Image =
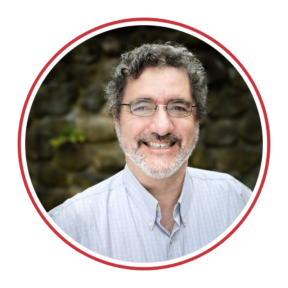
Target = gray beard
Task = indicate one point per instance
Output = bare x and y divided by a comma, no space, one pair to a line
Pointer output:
157,171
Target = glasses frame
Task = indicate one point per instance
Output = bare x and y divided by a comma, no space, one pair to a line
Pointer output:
156,107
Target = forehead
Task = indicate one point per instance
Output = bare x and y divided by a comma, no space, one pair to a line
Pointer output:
160,85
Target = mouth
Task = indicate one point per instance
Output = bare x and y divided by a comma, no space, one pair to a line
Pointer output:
157,145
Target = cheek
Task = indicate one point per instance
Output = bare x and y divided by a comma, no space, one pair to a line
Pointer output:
136,127
130,131
188,133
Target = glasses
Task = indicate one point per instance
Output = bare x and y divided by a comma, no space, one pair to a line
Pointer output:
174,108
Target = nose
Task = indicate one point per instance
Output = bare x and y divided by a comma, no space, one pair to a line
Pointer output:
161,122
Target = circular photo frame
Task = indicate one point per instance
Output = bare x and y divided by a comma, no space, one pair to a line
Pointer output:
115,264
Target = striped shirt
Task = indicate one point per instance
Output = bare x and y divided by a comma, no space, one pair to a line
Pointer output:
120,219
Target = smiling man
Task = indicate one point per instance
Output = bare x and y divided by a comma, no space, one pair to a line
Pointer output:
156,209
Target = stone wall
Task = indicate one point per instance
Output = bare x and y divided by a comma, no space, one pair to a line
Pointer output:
72,93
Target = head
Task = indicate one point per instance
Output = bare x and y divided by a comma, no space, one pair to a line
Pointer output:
160,144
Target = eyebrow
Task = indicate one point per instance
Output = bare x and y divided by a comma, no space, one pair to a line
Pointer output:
173,99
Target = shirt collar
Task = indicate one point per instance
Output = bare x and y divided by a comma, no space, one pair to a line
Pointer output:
147,204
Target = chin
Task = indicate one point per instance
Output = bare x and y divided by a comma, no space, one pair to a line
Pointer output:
159,174
158,171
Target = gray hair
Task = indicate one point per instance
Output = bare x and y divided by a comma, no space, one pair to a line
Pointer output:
132,64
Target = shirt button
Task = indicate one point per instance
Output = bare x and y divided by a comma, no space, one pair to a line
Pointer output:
171,241
157,209
150,224
184,220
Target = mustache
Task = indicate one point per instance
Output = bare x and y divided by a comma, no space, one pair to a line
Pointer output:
155,136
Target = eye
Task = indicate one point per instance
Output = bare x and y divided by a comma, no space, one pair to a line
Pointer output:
141,108
179,108
142,105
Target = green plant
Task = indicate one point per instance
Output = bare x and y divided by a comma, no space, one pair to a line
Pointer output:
68,135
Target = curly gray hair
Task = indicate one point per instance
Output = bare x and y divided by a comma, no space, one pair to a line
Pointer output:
132,64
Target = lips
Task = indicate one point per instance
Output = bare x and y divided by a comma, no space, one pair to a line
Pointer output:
156,145
155,141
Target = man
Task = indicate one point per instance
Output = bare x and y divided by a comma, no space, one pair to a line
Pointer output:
156,209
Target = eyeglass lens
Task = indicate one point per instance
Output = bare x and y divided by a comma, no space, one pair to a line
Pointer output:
146,108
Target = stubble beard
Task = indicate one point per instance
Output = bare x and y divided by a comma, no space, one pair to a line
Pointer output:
161,170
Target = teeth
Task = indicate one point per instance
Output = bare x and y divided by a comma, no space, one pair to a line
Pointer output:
159,145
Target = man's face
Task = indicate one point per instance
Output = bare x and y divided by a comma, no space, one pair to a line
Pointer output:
140,137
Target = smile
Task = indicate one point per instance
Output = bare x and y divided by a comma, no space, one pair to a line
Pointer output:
156,145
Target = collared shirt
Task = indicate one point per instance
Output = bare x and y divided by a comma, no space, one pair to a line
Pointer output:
120,219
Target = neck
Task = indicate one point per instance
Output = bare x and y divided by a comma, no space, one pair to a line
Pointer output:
166,191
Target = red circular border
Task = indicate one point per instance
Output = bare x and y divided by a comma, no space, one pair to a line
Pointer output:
126,21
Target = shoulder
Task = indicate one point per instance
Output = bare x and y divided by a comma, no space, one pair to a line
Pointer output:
219,182
95,195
